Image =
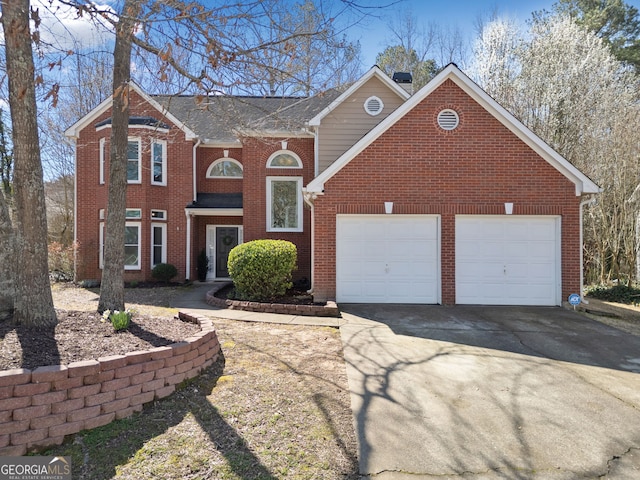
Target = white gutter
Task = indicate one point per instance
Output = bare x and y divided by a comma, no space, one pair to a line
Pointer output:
75,211
308,199
587,201
195,193
187,275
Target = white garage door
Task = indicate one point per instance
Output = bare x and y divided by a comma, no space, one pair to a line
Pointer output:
387,259
508,260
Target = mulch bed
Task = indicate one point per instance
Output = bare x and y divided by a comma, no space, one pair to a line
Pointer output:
292,297
83,336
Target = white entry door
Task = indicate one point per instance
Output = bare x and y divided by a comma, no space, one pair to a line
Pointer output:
387,259
508,260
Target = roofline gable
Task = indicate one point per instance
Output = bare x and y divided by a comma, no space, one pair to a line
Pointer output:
74,130
373,72
584,185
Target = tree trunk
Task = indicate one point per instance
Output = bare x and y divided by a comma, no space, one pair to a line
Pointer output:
112,284
33,300
8,264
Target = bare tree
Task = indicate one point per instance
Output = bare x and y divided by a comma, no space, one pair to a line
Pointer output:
32,300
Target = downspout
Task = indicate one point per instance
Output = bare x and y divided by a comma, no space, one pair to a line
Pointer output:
590,200
195,197
188,249
75,211
308,199
195,192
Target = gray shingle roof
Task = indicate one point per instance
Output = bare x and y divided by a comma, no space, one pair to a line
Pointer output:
217,118
217,200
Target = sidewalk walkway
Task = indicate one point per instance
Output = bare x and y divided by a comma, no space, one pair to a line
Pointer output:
193,301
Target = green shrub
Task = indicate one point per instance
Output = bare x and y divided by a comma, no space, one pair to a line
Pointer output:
119,320
164,272
202,266
261,269
617,293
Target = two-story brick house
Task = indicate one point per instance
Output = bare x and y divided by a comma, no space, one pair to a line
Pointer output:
437,197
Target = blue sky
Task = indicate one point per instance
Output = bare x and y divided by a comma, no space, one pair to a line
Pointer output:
462,13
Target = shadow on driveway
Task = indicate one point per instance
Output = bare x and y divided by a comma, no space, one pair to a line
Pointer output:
492,392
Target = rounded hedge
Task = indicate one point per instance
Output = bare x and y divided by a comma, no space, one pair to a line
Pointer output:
164,272
261,269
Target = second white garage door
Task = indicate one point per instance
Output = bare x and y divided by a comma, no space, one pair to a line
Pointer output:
508,260
387,259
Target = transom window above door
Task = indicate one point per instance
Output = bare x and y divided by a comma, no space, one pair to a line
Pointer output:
284,159
225,168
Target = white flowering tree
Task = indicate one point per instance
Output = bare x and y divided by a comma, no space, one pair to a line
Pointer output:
564,83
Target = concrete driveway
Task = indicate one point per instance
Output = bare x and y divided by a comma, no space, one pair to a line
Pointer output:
492,392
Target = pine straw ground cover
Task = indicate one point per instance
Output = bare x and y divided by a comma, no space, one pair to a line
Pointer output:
276,405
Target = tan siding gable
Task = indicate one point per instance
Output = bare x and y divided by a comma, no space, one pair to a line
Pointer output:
349,122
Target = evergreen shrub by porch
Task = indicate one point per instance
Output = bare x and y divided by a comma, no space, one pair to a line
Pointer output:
164,272
261,269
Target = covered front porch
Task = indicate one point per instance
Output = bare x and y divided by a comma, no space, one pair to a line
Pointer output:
215,226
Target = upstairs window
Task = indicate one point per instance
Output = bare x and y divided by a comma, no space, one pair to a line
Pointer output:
225,168
134,165
284,159
158,162
284,204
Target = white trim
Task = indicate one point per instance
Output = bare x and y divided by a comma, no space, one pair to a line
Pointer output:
139,140
557,270
146,127
187,273
163,245
133,214
74,130
392,219
194,170
163,144
158,219
224,159
366,106
373,72
284,152
101,245
138,266
582,183
101,167
212,265
299,209
220,212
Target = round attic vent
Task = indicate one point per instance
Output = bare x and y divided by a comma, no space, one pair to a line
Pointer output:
448,119
373,106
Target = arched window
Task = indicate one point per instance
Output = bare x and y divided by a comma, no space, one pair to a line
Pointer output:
225,168
284,159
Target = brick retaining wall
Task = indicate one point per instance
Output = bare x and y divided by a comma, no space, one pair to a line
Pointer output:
330,309
39,407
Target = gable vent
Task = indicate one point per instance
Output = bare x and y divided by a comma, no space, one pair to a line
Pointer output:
448,119
373,106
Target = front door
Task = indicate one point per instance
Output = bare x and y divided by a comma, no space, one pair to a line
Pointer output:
220,241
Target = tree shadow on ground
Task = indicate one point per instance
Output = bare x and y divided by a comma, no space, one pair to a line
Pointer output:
34,342
102,453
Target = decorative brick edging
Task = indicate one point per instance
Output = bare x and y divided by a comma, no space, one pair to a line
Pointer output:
39,407
328,310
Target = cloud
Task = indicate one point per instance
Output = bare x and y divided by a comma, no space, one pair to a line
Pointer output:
63,29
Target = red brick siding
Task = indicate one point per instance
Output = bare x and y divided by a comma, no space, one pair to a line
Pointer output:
256,152
92,196
473,169
173,198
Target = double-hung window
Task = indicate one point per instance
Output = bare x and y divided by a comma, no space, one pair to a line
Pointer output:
284,204
132,244
158,162
134,164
